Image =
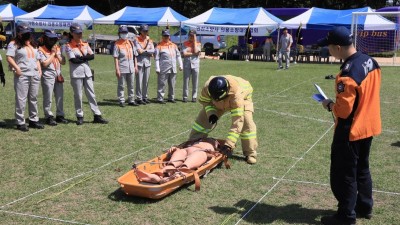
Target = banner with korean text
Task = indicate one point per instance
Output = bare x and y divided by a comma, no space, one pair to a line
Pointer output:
234,30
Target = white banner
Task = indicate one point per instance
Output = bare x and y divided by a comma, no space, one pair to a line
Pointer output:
235,30
55,24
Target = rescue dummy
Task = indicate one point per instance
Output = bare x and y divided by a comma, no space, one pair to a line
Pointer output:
184,159
227,93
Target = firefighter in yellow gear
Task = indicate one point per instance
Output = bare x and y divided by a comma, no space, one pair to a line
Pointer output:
227,93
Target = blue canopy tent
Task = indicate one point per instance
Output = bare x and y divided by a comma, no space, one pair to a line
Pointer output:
286,13
9,11
326,19
60,17
161,16
391,9
227,21
316,22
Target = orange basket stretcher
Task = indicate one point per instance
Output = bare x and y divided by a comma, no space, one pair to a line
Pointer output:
131,184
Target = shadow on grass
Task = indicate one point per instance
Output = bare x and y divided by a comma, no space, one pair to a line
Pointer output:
108,102
8,124
120,196
396,144
264,213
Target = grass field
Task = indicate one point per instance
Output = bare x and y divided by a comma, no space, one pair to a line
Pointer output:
68,173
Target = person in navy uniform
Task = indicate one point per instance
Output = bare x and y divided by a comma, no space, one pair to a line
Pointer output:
358,119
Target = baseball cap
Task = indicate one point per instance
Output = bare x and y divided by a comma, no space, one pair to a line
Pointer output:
338,36
123,29
23,28
165,33
75,28
144,27
50,33
192,32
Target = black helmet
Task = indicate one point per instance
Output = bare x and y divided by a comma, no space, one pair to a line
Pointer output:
218,88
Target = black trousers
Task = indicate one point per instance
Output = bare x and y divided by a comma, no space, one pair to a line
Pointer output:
350,176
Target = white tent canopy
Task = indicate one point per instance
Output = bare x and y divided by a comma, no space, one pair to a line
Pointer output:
326,19
9,11
161,16
227,21
60,17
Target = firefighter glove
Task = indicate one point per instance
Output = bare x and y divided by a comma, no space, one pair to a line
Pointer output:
2,79
226,150
213,119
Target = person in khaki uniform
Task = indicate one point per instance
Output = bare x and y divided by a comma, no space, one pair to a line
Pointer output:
227,93
125,66
145,49
52,80
79,53
191,65
23,57
166,56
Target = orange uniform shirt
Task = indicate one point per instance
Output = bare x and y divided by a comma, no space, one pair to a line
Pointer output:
357,97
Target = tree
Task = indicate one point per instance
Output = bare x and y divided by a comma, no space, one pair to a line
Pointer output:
30,5
191,8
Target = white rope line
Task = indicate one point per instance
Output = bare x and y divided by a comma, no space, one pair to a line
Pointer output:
311,118
41,217
91,171
322,184
294,164
296,103
277,94
389,131
295,116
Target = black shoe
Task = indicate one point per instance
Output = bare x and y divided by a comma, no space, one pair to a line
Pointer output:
61,119
79,121
99,119
281,67
286,68
367,216
334,220
133,104
36,125
22,128
330,77
172,100
122,104
50,121
146,100
194,100
3,124
184,100
140,102
363,214
161,102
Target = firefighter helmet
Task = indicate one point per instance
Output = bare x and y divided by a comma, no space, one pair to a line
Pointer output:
218,88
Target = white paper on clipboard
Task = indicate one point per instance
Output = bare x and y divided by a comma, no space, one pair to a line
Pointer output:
320,91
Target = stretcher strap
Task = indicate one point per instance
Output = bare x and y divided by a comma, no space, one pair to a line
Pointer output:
226,162
196,177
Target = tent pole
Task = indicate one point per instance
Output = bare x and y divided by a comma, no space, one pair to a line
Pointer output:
94,38
180,35
277,45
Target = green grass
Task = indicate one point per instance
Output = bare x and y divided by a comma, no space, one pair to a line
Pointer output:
290,126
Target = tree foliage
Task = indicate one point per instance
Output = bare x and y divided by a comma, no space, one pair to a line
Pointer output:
191,8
